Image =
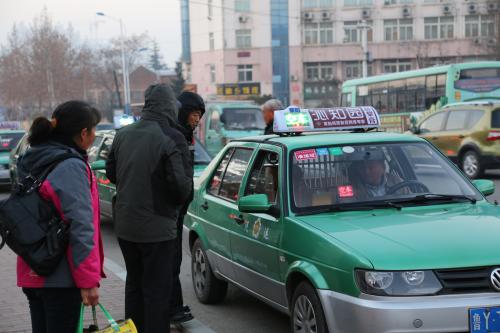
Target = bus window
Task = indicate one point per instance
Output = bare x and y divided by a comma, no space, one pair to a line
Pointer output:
430,87
441,85
346,99
392,102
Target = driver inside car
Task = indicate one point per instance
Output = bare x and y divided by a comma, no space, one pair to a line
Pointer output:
371,179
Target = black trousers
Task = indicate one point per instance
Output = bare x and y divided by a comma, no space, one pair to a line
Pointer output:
54,310
149,284
177,301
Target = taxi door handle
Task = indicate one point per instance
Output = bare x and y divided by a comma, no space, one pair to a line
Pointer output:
239,219
204,206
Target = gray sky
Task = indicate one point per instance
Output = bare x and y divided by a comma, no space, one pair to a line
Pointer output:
160,18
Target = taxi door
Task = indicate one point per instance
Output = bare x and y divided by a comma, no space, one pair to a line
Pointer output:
218,206
256,237
107,190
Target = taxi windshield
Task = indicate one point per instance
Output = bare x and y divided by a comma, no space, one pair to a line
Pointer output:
374,175
242,119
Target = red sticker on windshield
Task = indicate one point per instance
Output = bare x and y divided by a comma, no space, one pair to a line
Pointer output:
308,154
345,191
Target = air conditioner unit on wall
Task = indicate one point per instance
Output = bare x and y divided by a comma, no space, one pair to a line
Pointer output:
406,11
447,10
243,19
472,8
492,7
308,16
326,16
366,13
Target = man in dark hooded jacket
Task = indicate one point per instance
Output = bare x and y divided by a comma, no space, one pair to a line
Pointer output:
191,109
150,164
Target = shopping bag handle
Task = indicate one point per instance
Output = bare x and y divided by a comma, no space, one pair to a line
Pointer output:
108,316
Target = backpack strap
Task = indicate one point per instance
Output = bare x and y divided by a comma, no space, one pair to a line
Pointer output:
36,177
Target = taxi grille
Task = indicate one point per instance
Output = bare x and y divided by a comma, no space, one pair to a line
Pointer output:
470,280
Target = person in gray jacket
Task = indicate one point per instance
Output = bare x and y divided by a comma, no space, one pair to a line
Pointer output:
149,163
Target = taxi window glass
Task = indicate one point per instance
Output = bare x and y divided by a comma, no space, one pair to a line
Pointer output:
363,174
214,186
105,149
495,119
94,149
456,120
242,119
201,155
234,174
264,176
433,123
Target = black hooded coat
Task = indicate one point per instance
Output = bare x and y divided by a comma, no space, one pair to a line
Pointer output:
149,163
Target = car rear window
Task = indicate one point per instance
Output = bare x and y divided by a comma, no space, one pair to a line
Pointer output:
495,119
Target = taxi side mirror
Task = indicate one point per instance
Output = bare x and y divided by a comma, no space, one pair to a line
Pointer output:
485,186
98,165
255,203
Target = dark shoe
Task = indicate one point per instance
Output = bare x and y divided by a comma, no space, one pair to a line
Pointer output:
181,316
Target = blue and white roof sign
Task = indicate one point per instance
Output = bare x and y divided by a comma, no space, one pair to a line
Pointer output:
294,119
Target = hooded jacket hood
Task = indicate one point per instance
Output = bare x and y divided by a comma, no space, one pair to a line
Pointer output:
160,104
189,102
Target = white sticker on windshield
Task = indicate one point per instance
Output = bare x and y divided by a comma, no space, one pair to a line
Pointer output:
348,150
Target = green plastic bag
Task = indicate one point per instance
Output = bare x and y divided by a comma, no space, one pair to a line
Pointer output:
124,326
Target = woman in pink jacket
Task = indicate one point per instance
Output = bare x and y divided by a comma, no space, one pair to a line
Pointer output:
55,300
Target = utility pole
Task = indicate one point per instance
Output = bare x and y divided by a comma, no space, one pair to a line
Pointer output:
363,27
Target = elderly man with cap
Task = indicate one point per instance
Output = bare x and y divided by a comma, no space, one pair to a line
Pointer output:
268,113
191,109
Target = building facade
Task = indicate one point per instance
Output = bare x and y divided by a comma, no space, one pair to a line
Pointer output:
302,50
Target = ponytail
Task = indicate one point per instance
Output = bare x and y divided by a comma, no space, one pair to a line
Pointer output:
40,131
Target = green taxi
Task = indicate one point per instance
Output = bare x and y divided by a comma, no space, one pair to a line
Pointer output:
9,139
347,231
98,153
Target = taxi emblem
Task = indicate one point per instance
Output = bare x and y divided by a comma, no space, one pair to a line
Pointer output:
256,228
495,279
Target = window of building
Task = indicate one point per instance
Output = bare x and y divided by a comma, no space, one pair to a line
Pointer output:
318,3
393,2
479,26
211,41
243,38
352,3
354,69
210,9
212,73
396,66
318,33
353,34
245,73
401,29
439,27
316,71
242,5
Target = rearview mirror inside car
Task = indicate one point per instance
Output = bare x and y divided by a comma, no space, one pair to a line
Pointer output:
255,203
485,186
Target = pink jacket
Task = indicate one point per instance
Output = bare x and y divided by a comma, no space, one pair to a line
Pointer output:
72,188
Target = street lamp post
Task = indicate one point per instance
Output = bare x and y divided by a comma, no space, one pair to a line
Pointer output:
364,45
126,82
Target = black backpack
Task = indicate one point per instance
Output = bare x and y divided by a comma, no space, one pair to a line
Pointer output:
31,226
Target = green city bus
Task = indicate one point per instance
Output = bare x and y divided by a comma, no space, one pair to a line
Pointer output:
400,98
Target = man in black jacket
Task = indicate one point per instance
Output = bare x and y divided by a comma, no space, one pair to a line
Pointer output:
149,162
191,109
268,113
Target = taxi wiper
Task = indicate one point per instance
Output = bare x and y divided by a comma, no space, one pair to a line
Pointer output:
433,197
347,208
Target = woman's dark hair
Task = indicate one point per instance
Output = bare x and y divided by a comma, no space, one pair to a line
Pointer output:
68,120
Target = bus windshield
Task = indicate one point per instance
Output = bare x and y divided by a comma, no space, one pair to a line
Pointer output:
242,119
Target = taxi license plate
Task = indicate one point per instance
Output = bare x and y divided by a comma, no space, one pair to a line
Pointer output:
484,320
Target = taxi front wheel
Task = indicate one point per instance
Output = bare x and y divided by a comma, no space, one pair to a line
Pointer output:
208,289
306,312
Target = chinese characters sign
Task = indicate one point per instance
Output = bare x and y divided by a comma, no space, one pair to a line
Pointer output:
239,89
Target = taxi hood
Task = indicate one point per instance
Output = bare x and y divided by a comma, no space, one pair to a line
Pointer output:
430,237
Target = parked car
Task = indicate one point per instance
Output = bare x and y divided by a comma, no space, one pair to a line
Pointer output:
468,133
298,222
21,147
225,121
98,154
9,140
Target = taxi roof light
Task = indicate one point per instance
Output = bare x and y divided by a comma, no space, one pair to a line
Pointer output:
294,120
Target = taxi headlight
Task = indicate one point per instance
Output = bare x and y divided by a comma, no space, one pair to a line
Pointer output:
406,283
